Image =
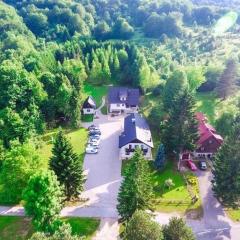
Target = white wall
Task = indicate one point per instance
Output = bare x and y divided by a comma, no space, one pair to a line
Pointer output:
123,152
117,107
88,111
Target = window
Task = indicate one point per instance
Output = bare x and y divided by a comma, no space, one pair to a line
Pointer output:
123,105
118,105
210,141
202,148
88,110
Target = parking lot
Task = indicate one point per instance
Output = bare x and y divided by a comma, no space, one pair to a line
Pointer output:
103,169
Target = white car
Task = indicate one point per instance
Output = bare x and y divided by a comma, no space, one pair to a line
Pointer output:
91,150
94,140
93,145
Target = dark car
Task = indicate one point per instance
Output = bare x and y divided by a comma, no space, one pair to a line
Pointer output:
202,165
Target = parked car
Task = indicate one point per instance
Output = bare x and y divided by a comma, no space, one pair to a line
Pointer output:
94,132
91,150
93,128
202,165
94,140
191,165
94,137
93,144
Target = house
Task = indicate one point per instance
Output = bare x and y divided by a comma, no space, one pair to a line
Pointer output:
123,100
136,134
89,106
209,141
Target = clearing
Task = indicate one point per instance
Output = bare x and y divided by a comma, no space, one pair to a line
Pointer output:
20,228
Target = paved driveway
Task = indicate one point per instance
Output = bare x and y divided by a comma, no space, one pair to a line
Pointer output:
215,225
103,173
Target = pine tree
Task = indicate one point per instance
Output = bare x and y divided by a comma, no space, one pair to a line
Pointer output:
226,170
67,166
180,132
160,158
227,81
136,189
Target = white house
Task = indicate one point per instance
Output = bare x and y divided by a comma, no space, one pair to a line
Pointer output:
136,134
123,100
89,106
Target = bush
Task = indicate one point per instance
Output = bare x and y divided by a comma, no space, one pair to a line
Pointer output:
169,183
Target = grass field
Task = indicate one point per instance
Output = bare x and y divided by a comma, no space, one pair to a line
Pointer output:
207,103
78,139
20,228
97,92
175,199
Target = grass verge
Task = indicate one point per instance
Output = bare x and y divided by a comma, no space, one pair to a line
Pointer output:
97,92
175,199
20,228
233,214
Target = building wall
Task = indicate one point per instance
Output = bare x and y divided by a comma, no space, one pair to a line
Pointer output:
88,111
210,146
122,107
117,107
123,154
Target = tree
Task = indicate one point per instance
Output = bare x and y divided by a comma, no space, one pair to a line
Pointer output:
43,201
20,162
63,233
160,158
102,30
177,229
67,166
226,170
174,86
136,189
227,81
122,29
142,227
195,77
180,131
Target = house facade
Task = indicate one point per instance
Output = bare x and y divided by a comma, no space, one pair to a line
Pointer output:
123,100
136,134
89,106
209,141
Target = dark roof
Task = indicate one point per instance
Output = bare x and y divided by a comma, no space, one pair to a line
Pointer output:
130,96
89,103
137,129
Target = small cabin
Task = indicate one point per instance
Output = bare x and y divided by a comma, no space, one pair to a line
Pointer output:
89,106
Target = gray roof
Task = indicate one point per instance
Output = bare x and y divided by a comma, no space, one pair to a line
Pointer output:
89,103
136,129
130,95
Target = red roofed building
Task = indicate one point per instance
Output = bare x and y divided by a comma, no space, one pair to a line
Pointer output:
209,141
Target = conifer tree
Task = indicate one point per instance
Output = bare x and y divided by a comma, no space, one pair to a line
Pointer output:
160,158
67,166
227,81
180,132
136,189
226,170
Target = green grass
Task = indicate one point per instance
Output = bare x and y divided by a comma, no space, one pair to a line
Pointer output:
207,103
104,110
87,118
83,226
20,228
175,199
233,214
97,92
78,139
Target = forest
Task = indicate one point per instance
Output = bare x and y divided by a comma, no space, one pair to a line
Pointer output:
51,49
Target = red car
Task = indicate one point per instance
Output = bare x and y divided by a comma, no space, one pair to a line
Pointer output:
191,165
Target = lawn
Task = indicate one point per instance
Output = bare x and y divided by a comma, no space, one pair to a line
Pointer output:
176,199
97,92
87,118
20,228
234,214
78,139
207,103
